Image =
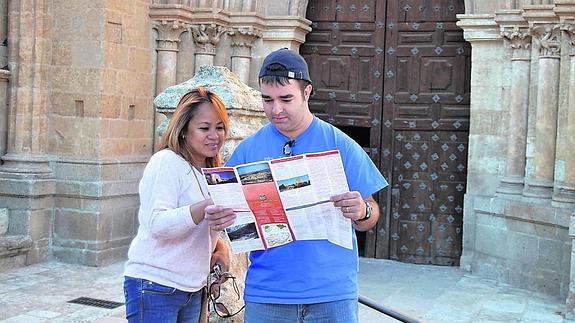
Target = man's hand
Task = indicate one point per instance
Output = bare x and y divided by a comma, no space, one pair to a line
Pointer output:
351,204
219,217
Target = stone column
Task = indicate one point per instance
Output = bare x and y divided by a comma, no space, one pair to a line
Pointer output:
565,190
168,40
520,42
3,33
243,39
28,43
206,37
540,183
4,77
169,32
26,176
487,56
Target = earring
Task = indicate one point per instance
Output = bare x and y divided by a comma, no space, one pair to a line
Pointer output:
183,136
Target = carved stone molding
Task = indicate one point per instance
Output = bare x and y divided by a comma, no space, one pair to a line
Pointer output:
569,33
519,40
243,38
548,38
169,32
206,37
479,28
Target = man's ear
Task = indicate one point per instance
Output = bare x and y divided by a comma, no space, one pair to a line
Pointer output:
307,92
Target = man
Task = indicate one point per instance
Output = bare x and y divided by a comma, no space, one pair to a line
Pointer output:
311,280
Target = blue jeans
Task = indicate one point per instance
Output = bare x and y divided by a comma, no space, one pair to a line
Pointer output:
344,311
148,302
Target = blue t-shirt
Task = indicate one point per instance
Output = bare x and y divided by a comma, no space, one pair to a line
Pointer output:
309,271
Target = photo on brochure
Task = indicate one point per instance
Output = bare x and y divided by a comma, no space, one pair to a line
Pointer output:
293,183
221,177
245,231
255,173
276,234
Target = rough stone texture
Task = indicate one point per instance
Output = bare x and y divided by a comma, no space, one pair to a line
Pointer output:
515,239
102,126
3,221
244,104
81,124
13,251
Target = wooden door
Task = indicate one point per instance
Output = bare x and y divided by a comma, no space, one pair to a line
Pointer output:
345,54
395,75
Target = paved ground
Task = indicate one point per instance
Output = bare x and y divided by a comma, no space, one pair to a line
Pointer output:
39,293
446,294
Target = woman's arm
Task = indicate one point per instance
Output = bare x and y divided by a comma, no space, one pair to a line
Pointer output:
221,255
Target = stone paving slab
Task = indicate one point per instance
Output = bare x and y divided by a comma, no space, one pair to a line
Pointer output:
447,294
40,293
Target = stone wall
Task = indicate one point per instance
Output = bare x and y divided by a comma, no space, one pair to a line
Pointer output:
519,203
79,122
100,125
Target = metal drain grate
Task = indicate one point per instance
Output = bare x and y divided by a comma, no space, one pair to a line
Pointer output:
96,302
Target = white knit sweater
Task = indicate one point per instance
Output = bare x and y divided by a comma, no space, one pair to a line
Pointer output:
170,249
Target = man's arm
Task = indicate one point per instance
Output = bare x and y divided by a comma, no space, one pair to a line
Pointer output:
366,224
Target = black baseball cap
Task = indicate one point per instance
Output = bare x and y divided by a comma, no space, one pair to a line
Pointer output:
295,66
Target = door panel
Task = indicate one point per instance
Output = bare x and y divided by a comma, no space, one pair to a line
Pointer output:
429,174
426,113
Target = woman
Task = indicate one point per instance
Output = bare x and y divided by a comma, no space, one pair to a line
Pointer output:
169,259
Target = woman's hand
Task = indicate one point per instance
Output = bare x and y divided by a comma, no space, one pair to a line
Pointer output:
221,256
219,217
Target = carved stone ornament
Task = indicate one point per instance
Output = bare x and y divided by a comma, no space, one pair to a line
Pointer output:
519,38
569,31
169,32
207,36
244,36
548,37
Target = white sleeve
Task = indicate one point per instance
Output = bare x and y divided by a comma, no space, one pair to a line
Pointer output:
161,190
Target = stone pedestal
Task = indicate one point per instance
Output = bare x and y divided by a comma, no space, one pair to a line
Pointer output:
570,301
27,184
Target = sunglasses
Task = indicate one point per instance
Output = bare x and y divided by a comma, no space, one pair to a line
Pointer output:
215,281
287,147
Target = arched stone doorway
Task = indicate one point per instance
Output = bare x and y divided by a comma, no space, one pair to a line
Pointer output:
395,75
